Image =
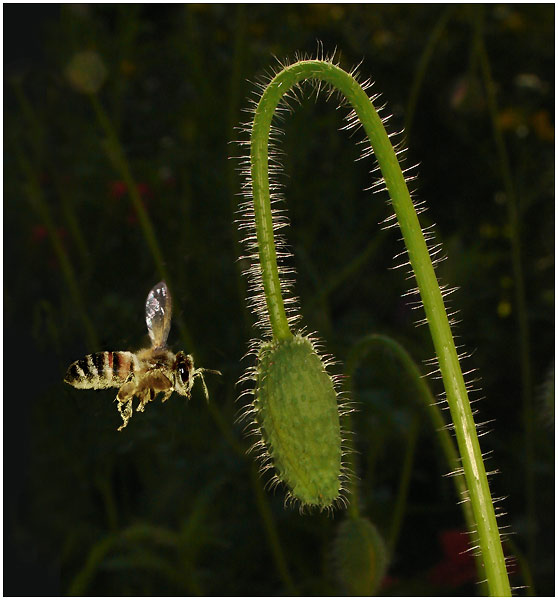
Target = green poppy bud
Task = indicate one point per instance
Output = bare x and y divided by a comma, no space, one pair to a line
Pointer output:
360,557
296,410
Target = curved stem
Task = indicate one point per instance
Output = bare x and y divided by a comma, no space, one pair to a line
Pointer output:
404,483
264,222
324,71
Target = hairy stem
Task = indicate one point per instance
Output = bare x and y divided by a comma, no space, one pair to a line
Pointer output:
324,71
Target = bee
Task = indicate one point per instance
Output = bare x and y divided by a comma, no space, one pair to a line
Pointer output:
146,373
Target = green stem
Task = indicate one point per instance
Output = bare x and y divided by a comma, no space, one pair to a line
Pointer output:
121,163
422,67
465,430
404,483
523,564
262,208
272,533
348,271
134,535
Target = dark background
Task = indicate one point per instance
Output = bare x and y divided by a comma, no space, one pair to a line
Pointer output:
167,506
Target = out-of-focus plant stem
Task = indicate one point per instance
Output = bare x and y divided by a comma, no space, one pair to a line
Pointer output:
136,534
272,533
514,217
404,483
118,157
422,67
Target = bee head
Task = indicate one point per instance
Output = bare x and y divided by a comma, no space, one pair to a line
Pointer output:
183,371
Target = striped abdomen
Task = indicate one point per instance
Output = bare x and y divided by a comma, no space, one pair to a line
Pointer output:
102,370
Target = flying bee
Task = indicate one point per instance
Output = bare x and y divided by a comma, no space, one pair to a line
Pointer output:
143,374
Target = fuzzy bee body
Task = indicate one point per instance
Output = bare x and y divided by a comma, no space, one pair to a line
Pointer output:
143,374
102,370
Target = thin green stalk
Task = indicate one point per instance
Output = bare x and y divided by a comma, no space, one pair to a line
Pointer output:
121,163
324,71
523,564
272,533
422,67
134,535
104,486
404,483
67,205
514,218
348,271
426,401
82,579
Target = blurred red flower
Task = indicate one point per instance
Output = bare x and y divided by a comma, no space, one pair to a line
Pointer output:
38,233
458,564
118,189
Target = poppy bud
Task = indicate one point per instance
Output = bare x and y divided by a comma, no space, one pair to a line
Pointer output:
296,409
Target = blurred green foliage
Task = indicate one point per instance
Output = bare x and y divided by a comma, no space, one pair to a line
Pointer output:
169,506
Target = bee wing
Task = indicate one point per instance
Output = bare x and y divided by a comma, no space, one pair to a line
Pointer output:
158,311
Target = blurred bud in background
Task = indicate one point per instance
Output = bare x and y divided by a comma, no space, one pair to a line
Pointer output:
86,72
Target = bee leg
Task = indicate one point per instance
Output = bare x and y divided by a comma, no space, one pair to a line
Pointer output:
126,410
124,401
159,382
146,397
127,391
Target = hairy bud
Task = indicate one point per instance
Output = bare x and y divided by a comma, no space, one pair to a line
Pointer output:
296,409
